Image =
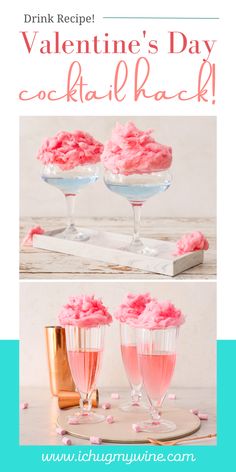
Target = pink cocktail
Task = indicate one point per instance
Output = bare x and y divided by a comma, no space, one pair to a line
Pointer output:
157,370
84,351
130,360
85,367
129,352
157,357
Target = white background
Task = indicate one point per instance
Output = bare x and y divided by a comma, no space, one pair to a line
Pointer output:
226,131
41,303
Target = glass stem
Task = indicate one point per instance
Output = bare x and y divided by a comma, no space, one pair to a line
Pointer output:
70,206
137,218
85,403
135,396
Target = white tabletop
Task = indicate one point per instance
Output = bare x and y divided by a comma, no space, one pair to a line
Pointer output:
38,422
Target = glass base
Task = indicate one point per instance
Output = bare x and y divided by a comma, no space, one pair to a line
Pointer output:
89,418
139,248
138,407
161,426
73,234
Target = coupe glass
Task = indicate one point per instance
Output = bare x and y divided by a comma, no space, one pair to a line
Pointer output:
128,344
70,182
157,356
84,352
137,188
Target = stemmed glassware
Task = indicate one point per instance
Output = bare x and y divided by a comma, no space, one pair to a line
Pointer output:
71,182
128,343
157,357
137,188
84,351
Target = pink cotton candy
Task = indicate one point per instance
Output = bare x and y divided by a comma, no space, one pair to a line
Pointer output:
171,396
194,411
159,315
106,406
28,239
95,440
61,431
24,406
115,396
195,241
203,416
136,428
132,307
84,311
66,441
68,150
110,419
132,151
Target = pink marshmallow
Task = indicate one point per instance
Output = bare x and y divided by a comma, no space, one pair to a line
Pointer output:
171,396
110,419
194,411
95,440
115,396
24,406
203,416
136,428
66,441
73,420
61,431
106,406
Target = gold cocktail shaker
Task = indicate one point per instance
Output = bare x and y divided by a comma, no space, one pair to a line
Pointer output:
59,370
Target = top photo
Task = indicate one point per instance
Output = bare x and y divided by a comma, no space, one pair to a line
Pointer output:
118,197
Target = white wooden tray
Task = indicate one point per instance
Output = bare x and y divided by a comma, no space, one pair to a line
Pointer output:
109,247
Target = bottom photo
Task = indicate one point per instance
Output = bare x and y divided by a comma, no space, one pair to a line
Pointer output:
118,362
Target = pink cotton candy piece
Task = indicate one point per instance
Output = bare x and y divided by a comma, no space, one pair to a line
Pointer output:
67,441
70,149
110,419
159,315
28,239
194,411
195,241
133,151
84,311
24,406
171,396
115,396
95,440
132,307
136,428
203,416
61,431
73,420
106,406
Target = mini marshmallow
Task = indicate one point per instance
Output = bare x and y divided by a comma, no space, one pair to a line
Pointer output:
110,419
66,441
203,416
73,420
171,396
95,440
61,431
136,428
106,406
115,396
194,411
24,406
